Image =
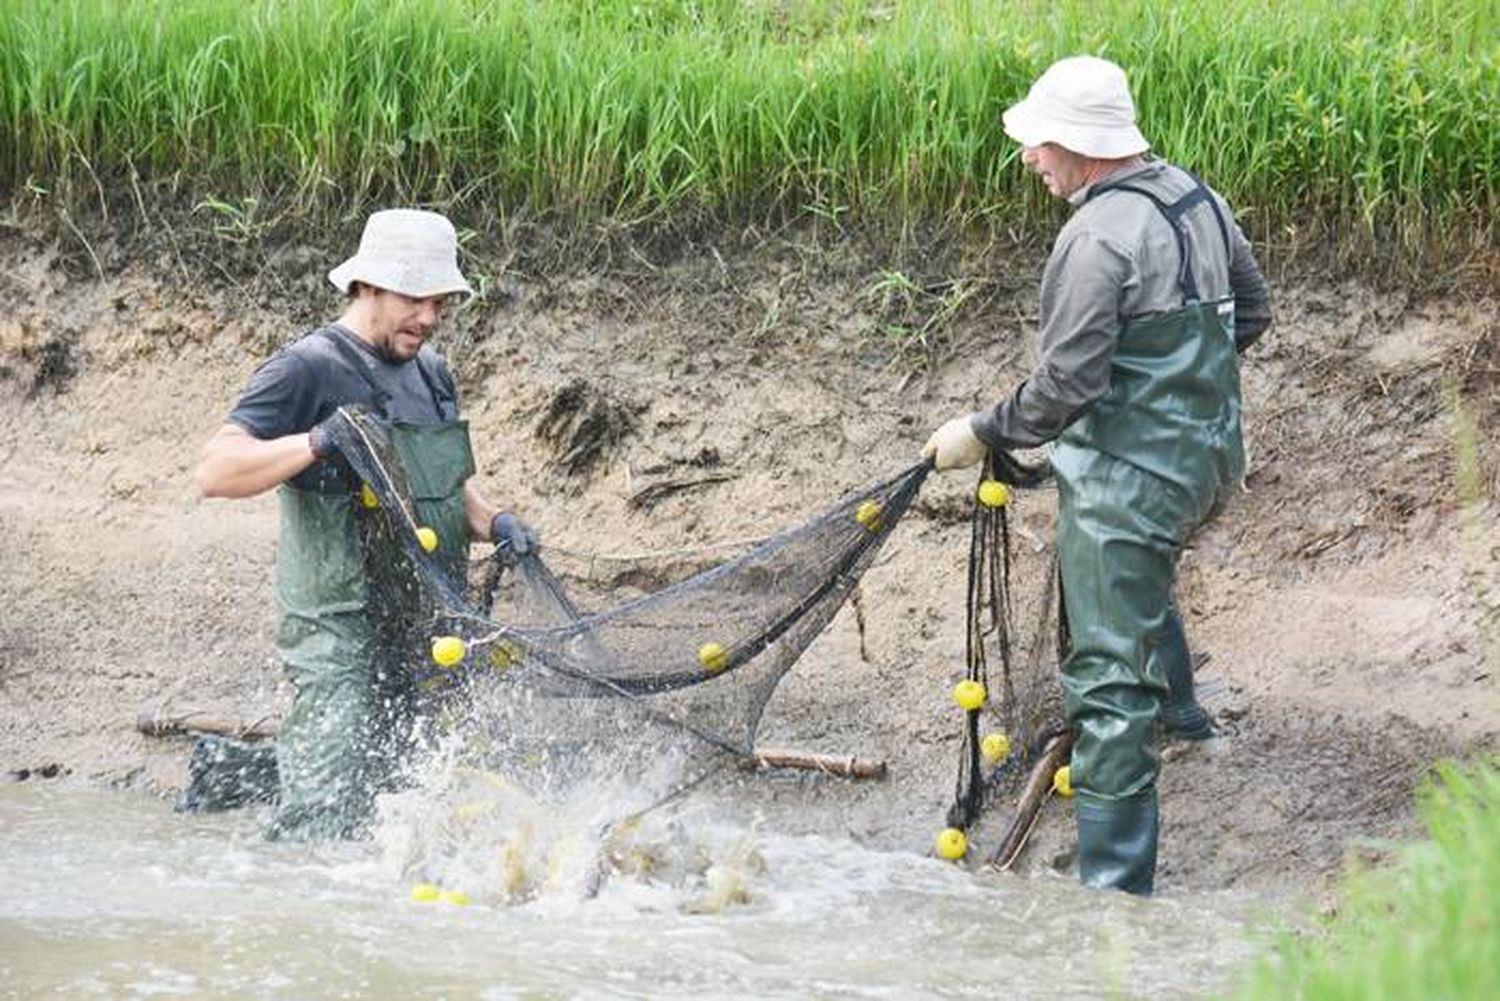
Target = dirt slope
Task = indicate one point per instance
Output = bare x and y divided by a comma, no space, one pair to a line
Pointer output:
1349,602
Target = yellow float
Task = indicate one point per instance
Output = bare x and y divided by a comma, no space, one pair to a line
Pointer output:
995,748
968,694
951,844
713,656
993,493
448,650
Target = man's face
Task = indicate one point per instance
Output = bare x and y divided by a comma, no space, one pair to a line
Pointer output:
403,324
1061,170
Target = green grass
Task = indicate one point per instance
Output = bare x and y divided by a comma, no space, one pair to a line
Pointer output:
1427,927
1378,119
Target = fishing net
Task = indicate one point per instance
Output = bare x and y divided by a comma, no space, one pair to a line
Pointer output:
550,688
1008,718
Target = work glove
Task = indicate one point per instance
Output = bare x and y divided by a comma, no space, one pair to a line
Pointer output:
955,445
321,439
509,531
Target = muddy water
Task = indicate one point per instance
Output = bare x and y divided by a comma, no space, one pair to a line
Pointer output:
110,895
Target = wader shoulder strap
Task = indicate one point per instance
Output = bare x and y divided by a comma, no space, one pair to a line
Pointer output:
381,396
1173,213
1213,203
447,406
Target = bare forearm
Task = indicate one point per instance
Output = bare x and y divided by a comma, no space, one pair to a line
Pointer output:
478,511
237,464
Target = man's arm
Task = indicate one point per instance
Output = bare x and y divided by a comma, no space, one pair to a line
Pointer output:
1252,294
478,511
1080,327
236,464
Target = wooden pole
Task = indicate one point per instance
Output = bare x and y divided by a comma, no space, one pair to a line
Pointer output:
845,767
154,723
1029,807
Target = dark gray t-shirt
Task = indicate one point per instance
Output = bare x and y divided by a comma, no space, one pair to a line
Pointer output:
305,382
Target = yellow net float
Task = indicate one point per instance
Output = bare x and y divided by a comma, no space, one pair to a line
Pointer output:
428,538
968,694
993,493
868,514
1062,781
951,844
713,656
995,748
448,650
367,497
456,898
425,893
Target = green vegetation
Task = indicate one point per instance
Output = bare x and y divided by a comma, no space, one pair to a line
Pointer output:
1428,927
1380,119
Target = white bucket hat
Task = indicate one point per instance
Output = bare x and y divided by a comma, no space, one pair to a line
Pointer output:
1083,104
408,251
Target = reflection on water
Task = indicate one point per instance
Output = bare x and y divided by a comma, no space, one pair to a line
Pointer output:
110,895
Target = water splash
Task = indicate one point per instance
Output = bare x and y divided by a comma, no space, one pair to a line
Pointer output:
554,830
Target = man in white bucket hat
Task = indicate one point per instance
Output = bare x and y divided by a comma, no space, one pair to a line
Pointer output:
1150,293
346,627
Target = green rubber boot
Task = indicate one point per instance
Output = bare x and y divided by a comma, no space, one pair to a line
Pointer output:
1181,713
1117,842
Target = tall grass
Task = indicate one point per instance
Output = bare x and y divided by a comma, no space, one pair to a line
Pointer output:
1428,927
1382,116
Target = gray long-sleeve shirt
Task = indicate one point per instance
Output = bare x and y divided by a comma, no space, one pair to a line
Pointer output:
1116,260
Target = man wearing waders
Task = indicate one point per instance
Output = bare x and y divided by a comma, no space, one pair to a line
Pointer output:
1149,294
347,629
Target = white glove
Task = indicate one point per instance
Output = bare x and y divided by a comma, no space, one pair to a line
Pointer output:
955,445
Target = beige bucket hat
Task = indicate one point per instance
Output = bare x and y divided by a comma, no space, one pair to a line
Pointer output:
1083,104
409,251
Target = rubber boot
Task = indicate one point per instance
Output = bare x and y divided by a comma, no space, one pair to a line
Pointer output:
1117,842
224,774
1181,714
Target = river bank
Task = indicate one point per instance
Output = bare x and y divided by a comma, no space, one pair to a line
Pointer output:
1347,599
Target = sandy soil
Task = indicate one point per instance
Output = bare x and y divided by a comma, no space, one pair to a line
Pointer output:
1348,599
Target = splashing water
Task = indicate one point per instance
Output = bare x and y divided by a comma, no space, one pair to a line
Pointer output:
105,894
502,840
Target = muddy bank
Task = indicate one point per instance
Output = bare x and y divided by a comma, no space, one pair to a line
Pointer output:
1348,599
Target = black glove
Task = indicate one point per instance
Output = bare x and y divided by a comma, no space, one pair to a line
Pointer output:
509,531
324,445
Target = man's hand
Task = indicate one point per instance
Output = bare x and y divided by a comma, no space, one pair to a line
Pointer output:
320,439
508,530
955,445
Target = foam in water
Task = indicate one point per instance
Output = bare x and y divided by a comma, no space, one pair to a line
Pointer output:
506,837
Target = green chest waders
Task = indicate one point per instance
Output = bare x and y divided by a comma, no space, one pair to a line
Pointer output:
351,625
1136,475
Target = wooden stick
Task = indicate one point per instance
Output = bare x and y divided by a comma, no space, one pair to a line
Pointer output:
1029,807
649,493
156,724
846,767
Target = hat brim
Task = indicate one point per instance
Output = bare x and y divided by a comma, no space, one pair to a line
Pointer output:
1027,126
444,280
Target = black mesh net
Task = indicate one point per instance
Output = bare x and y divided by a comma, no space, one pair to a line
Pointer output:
1012,699
548,688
